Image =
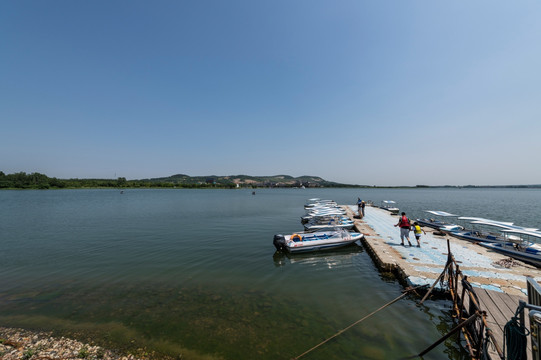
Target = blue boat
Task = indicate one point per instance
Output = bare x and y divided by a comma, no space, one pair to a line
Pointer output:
519,244
439,224
489,231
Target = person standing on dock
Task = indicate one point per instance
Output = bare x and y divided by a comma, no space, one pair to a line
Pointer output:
405,227
363,204
417,231
359,208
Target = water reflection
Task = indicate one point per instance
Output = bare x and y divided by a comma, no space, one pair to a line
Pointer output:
327,259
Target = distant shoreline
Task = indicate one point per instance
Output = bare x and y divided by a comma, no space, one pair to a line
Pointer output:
39,181
270,187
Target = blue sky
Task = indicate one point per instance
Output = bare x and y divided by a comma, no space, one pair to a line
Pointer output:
364,92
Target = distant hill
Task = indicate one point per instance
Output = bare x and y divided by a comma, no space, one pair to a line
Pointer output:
246,180
23,180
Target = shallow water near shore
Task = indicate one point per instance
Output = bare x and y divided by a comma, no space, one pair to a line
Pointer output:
194,272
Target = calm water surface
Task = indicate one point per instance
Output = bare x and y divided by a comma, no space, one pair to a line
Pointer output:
194,272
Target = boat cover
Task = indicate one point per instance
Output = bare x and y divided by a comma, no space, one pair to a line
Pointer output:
440,213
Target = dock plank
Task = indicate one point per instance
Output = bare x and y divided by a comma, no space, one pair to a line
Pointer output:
494,313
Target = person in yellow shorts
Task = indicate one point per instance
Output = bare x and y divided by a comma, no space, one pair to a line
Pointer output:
417,231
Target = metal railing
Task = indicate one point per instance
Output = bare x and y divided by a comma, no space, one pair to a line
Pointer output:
471,318
534,312
467,312
534,291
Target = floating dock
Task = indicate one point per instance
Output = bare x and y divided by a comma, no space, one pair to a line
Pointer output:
422,265
498,288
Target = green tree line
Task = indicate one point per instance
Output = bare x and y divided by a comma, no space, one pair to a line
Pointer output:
22,180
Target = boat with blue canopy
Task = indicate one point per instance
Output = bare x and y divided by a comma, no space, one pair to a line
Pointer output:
488,231
519,244
440,225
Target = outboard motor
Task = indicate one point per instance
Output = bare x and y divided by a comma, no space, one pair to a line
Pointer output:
279,242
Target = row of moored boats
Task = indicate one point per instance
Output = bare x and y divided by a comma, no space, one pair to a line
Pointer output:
326,226
519,242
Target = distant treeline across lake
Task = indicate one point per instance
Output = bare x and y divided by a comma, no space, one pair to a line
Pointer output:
22,180
36,180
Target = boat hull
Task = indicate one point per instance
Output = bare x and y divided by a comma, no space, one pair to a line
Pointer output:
439,225
472,236
393,211
319,241
530,256
322,227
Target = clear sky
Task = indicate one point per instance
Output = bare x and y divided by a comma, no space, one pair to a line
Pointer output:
394,92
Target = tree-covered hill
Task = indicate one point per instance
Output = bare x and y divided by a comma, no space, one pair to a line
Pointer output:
22,180
36,180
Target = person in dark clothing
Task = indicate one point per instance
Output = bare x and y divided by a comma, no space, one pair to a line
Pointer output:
359,207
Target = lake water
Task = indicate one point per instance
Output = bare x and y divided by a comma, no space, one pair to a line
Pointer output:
194,272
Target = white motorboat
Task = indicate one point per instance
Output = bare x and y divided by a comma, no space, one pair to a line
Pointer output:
317,241
315,202
330,225
390,206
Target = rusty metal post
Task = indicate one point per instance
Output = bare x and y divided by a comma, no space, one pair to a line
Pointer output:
462,299
453,331
480,336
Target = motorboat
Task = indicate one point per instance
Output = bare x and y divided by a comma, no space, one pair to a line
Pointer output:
322,211
329,224
509,225
315,202
440,224
519,245
390,206
326,211
322,217
316,241
489,231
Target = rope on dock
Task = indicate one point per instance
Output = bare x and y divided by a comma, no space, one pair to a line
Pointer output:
515,337
360,320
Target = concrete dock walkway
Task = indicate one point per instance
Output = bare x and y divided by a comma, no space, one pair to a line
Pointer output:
422,265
